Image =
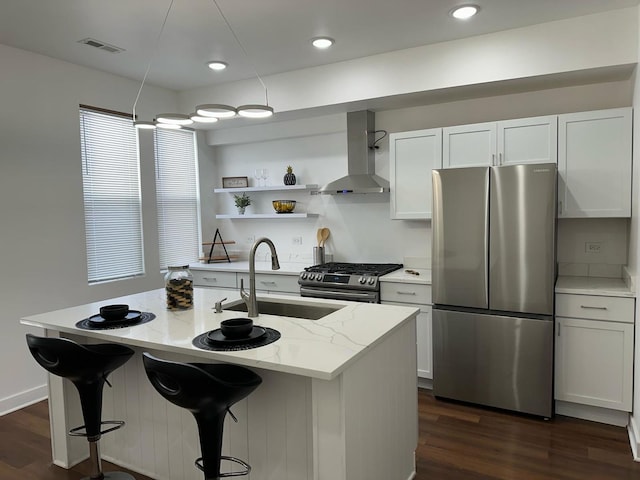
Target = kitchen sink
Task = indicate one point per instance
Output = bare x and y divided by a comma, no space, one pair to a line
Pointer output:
308,311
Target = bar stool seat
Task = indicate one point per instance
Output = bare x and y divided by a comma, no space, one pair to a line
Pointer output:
207,391
88,367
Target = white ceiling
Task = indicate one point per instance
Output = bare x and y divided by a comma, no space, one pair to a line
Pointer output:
274,33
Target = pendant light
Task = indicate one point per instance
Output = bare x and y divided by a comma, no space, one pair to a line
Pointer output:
250,111
146,125
205,113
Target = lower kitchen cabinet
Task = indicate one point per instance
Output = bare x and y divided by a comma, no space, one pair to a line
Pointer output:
272,283
594,350
418,296
211,278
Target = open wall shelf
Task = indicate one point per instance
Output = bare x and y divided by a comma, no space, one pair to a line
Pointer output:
276,188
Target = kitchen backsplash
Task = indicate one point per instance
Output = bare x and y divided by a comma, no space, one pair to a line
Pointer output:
594,247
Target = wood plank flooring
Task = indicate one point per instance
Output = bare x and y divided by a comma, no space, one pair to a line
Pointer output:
457,442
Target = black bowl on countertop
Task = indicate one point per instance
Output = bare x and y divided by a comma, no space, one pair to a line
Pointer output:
236,327
114,312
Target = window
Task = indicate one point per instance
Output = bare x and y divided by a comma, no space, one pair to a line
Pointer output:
112,202
178,199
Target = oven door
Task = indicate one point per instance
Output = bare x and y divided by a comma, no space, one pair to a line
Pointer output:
349,295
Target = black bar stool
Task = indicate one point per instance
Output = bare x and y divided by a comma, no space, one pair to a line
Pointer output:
87,366
207,391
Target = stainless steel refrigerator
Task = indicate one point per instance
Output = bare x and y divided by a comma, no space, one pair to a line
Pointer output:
494,270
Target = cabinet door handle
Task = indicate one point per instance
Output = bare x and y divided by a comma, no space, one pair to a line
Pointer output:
593,308
493,159
500,159
210,279
558,325
267,283
560,207
405,293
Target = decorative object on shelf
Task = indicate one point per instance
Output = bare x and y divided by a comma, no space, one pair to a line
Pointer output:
289,177
217,240
178,283
235,182
284,206
242,202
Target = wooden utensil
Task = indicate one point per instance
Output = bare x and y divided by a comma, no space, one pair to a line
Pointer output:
319,236
324,235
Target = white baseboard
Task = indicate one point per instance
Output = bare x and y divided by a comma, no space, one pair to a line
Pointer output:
594,414
23,399
634,438
425,383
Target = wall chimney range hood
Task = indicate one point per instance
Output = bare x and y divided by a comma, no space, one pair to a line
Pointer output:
361,177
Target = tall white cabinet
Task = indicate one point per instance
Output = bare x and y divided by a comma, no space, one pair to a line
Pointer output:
509,142
594,164
412,156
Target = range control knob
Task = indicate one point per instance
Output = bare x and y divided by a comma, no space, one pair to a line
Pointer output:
319,277
312,276
303,275
372,280
362,280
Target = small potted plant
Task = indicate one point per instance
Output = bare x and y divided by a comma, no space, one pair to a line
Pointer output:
242,202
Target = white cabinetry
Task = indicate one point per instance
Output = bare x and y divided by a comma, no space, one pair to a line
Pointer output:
211,278
418,296
594,350
594,164
412,156
272,283
510,142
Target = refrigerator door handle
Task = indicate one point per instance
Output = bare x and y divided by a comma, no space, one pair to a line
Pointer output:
486,236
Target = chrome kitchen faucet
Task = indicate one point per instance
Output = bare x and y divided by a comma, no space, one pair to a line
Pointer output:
250,298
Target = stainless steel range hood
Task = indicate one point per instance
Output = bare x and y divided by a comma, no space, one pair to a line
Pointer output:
360,159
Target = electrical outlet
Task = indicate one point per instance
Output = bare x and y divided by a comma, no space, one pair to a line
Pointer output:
250,239
593,247
296,240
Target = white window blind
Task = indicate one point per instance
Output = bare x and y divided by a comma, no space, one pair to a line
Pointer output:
178,197
112,201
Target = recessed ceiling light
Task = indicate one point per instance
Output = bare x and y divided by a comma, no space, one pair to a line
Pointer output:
464,11
216,65
322,42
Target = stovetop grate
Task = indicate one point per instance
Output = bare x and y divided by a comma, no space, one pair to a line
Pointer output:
373,269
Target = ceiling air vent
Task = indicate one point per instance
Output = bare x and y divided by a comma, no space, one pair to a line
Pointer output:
92,42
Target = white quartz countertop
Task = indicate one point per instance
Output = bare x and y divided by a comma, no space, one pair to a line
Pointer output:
313,348
402,276
242,266
612,287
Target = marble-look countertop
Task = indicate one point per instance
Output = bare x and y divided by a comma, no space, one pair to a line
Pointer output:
312,348
401,276
242,266
612,287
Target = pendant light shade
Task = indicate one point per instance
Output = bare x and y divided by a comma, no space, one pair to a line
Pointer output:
142,125
174,118
216,110
255,111
169,126
200,119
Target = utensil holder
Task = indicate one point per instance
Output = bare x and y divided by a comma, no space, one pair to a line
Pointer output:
318,255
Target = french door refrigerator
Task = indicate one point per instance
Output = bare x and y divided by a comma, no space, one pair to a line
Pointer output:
494,270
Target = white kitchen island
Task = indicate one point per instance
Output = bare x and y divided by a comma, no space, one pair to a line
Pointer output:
338,399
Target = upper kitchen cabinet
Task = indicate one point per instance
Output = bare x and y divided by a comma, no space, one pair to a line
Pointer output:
469,145
412,156
594,164
510,142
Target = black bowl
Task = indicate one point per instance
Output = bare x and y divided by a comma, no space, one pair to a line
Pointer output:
236,327
114,312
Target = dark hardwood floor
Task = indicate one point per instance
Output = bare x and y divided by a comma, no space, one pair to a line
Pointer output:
457,442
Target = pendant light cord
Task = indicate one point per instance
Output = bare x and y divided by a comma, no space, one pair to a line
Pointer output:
266,97
155,49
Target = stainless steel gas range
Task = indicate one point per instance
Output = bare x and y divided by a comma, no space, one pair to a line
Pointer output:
356,282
